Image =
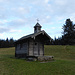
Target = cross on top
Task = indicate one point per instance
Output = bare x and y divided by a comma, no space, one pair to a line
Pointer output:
37,20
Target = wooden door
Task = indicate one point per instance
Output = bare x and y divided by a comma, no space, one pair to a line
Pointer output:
36,49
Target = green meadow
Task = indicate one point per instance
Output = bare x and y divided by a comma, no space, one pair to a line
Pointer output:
63,64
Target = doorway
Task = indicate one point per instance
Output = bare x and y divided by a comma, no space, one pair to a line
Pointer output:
36,49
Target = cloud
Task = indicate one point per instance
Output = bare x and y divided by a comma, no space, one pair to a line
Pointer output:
61,2
2,30
1,23
20,11
8,30
53,27
1,34
12,30
64,8
16,23
33,9
46,1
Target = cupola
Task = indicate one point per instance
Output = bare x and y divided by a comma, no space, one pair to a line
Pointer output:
37,28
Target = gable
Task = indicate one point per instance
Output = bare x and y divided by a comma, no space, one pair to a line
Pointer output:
42,36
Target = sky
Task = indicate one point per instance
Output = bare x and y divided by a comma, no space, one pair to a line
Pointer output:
18,17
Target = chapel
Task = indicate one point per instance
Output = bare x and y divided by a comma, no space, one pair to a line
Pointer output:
32,45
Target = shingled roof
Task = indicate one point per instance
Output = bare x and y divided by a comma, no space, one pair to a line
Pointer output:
34,35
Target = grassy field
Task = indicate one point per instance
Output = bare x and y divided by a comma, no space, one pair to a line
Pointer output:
64,63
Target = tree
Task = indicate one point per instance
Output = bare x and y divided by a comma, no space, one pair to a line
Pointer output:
7,42
68,32
11,42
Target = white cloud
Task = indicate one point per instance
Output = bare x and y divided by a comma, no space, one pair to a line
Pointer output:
2,30
16,23
4,21
20,10
12,30
61,2
1,34
46,1
1,23
53,27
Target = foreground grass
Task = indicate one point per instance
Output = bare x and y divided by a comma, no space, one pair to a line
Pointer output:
64,63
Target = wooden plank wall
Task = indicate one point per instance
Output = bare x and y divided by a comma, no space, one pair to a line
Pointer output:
31,43
36,48
22,48
41,49
28,48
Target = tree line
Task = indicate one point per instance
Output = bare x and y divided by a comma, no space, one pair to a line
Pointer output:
68,35
7,43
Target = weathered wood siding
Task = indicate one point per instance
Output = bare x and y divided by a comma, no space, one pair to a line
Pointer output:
41,49
36,48
30,45
22,48
30,48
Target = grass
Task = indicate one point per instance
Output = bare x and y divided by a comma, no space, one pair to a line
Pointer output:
64,63
61,52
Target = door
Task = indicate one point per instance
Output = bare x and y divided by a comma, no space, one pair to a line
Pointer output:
36,49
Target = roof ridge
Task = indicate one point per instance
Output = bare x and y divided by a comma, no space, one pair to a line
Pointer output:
33,35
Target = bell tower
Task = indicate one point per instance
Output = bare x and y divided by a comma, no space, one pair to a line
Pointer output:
37,28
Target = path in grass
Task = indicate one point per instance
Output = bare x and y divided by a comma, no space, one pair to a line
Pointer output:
64,63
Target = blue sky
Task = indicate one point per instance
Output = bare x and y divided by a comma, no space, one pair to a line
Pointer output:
18,17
